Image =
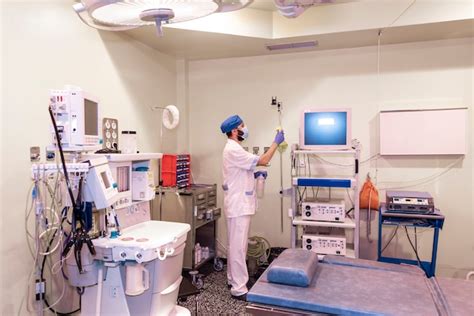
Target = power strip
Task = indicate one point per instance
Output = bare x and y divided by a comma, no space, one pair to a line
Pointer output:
52,168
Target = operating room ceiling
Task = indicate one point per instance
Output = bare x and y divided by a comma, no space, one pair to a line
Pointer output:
341,25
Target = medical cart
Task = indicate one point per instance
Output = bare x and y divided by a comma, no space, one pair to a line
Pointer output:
308,181
434,220
195,205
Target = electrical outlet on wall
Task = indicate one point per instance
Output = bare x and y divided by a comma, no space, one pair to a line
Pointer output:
256,149
265,149
35,154
246,148
50,154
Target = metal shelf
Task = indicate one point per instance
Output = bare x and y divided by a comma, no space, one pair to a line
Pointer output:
350,253
202,262
200,223
125,157
321,151
329,182
348,223
132,157
350,182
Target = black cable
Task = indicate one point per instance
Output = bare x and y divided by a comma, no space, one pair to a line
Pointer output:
350,210
416,240
416,252
61,154
390,240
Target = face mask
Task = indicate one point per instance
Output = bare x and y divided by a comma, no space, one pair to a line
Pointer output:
243,134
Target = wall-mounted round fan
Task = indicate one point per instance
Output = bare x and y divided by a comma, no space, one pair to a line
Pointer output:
120,15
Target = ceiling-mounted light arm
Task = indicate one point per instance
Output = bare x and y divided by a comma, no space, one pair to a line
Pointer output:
81,11
158,16
291,10
294,8
231,5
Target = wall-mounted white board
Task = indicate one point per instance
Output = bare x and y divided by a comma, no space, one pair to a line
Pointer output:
423,132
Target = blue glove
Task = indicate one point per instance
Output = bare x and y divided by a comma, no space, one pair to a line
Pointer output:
280,137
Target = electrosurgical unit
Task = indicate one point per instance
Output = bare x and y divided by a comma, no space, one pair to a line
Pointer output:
410,202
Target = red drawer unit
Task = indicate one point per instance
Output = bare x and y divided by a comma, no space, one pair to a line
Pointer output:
176,170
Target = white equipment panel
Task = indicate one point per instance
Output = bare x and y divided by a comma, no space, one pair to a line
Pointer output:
325,245
423,132
332,211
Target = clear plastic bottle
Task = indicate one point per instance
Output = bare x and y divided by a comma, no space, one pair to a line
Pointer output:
205,253
197,253
260,186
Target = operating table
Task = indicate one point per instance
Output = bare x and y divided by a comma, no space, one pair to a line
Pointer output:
297,284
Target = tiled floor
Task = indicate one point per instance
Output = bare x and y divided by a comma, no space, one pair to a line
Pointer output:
215,298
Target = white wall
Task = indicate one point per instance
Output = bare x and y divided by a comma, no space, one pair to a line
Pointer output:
418,75
46,46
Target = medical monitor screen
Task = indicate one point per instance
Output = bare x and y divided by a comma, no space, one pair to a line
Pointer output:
326,130
91,118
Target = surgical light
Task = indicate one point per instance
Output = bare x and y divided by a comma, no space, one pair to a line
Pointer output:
120,15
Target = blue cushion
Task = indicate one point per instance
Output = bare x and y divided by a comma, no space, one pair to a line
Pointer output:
293,267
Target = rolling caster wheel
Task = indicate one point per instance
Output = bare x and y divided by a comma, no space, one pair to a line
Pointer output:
197,280
199,283
218,265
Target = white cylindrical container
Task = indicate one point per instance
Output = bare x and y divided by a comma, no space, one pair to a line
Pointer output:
137,279
128,142
260,186
260,177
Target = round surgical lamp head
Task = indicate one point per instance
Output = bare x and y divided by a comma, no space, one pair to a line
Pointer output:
118,15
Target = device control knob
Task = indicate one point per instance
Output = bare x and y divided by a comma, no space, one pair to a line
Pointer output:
307,207
309,247
123,254
308,240
308,214
139,256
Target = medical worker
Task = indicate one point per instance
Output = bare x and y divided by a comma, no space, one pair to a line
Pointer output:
240,200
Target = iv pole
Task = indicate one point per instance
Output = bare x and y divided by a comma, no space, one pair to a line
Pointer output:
280,150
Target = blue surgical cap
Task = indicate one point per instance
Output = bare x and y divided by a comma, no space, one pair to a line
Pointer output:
230,123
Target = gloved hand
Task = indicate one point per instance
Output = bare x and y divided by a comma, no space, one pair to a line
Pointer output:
280,137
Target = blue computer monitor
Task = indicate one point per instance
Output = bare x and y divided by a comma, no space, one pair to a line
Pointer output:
326,129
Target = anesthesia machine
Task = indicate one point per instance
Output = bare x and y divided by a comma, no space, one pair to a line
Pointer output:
92,222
